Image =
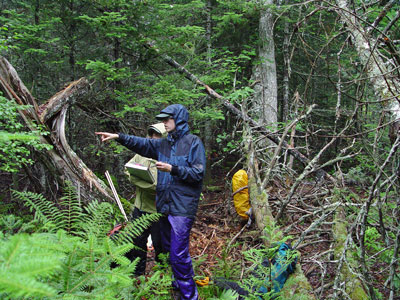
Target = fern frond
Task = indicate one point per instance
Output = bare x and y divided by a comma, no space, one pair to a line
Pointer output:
44,209
10,223
137,227
38,265
61,241
122,250
121,260
157,286
11,250
227,295
97,218
83,280
77,296
91,262
71,217
117,253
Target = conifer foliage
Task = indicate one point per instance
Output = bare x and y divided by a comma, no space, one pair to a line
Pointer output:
26,261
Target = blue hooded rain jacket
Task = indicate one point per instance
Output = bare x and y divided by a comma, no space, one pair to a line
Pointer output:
178,191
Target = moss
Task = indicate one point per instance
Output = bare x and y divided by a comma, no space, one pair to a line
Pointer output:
353,286
358,293
297,287
339,230
214,188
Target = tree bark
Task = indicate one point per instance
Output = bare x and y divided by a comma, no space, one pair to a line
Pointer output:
286,71
208,123
264,104
385,85
61,162
264,74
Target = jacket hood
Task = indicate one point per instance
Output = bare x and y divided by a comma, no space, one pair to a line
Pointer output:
159,127
181,116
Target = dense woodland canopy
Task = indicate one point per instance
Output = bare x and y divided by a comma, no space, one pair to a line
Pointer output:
304,95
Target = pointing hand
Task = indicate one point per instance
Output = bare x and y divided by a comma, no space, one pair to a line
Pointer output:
105,136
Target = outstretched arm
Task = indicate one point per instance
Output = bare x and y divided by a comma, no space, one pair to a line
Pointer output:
105,136
142,146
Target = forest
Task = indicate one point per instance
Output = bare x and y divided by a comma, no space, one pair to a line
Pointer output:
303,95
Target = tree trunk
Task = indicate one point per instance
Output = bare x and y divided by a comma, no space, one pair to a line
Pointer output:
61,162
385,85
264,74
208,136
286,72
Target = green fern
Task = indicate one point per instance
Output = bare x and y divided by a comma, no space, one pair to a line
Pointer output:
82,268
70,216
62,266
97,218
156,287
226,295
10,223
44,210
136,227
87,267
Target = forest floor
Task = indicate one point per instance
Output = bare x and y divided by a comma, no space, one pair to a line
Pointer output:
217,224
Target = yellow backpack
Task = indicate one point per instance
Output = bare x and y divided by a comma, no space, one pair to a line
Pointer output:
241,198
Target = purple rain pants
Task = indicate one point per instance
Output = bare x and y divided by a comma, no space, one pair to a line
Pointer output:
175,231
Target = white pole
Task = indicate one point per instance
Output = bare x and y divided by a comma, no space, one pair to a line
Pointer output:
121,208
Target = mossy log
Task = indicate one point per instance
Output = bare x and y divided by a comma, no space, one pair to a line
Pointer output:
297,286
353,286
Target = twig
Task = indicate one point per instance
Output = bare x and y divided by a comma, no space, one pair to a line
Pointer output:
393,265
209,241
236,236
311,243
280,145
314,224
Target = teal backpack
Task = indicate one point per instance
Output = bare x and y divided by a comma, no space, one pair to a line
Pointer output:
283,264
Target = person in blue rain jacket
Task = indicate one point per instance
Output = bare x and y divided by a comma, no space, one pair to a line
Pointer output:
181,168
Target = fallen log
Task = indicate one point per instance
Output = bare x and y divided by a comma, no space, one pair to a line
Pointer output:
348,281
297,285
